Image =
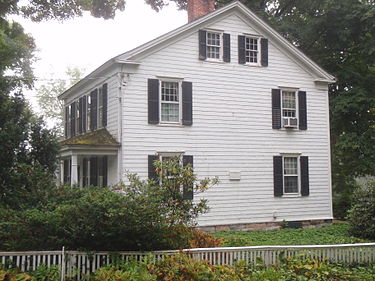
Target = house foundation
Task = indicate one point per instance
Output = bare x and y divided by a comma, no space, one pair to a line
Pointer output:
266,225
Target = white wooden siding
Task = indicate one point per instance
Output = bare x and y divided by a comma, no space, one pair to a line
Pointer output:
232,129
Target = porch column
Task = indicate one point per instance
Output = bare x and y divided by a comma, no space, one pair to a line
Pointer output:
74,174
61,172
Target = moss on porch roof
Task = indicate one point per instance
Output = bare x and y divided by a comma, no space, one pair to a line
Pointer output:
98,137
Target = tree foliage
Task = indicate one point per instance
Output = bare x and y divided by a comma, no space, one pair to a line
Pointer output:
61,10
362,213
28,149
51,107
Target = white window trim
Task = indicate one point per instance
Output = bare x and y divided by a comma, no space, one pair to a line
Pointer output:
292,194
259,52
174,80
295,90
221,53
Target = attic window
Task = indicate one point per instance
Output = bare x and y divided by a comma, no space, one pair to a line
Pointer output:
252,50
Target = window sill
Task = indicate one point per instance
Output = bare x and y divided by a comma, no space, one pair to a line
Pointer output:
215,61
252,65
170,125
291,195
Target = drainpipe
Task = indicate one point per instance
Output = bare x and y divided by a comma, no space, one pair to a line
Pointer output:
122,83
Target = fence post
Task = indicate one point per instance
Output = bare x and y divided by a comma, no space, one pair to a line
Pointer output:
62,268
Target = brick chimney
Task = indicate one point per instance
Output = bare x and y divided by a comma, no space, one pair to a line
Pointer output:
198,8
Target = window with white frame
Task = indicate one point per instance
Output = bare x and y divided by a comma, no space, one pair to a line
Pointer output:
252,50
290,175
170,102
289,104
213,45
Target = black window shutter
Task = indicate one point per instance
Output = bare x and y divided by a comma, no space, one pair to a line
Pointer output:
226,47
80,109
73,119
84,172
84,114
187,103
105,104
278,175
153,101
241,49
276,108
94,171
305,189
202,45
66,171
151,168
94,109
264,51
105,171
188,192
302,110
66,121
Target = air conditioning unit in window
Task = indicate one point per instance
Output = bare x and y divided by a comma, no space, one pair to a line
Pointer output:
290,122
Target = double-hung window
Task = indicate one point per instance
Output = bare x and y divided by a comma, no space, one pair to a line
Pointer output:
170,102
252,53
290,175
289,108
289,104
213,45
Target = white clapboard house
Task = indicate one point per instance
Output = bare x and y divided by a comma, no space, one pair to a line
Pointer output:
226,93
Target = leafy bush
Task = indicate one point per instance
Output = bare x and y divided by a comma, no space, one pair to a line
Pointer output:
200,239
131,270
144,216
14,275
180,267
361,216
45,273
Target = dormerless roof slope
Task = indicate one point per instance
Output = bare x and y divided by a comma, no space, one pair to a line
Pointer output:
135,54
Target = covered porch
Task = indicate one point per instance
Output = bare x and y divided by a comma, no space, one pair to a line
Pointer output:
90,159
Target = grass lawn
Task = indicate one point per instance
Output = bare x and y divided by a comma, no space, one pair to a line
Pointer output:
337,233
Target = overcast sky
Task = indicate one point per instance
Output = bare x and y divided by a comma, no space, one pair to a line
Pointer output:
88,42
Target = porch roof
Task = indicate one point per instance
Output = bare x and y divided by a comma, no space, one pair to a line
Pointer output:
95,142
98,137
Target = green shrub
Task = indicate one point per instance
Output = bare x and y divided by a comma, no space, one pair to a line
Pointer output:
180,267
145,216
14,275
200,239
361,216
45,273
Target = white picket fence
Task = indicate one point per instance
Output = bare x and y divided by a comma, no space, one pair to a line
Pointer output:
78,264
